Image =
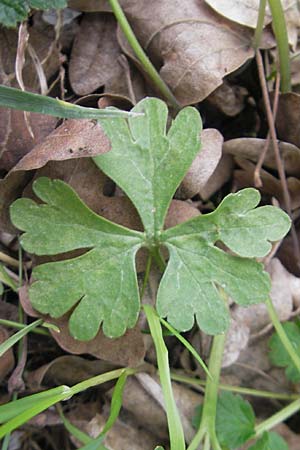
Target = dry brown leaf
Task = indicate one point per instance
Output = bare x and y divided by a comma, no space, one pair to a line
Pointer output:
72,139
287,118
7,360
251,148
67,369
94,61
194,46
228,98
270,184
292,439
90,5
245,12
203,165
127,350
220,176
11,188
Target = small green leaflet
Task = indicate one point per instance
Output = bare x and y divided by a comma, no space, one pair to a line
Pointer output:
270,441
279,356
197,267
156,161
13,11
100,286
102,282
235,420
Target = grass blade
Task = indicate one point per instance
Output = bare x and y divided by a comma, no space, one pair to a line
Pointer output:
26,101
19,335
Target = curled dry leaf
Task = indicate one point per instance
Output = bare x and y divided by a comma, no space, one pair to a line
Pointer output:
72,139
256,317
198,46
126,351
203,165
251,148
245,12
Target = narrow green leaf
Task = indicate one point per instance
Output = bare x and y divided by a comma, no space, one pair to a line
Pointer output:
95,444
6,279
187,345
48,4
279,356
73,430
12,409
26,101
147,162
12,340
197,268
116,403
270,441
102,282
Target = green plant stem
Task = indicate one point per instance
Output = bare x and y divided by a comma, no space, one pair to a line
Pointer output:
277,418
282,334
177,441
207,425
187,345
141,55
260,24
280,31
160,262
20,326
146,277
237,389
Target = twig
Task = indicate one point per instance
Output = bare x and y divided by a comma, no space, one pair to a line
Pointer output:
279,163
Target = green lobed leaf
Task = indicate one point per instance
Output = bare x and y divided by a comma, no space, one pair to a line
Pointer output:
270,441
13,11
101,284
278,354
197,269
235,420
147,162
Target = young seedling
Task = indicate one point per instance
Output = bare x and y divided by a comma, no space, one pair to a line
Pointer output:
100,286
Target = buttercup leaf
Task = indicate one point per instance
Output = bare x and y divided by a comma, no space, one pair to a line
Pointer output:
197,269
101,283
100,286
147,162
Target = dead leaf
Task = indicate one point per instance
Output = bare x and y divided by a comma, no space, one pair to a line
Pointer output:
198,47
228,98
90,5
220,176
94,61
11,188
15,140
292,439
126,351
203,165
7,360
287,118
67,369
245,12
72,139
251,148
